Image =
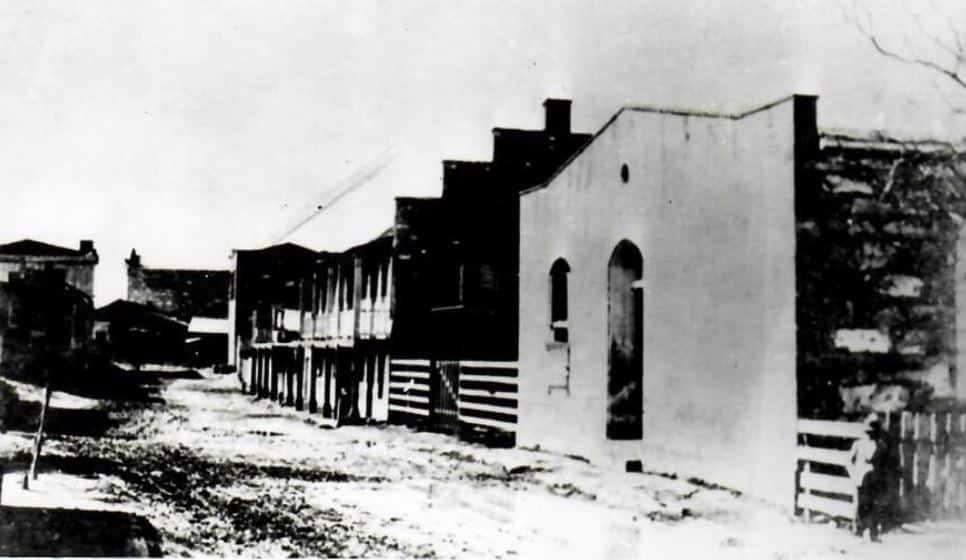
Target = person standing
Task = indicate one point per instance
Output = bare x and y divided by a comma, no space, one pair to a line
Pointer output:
867,467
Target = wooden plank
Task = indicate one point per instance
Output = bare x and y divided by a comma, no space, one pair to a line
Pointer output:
486,377
487,393
416,411
942,494
488,365
500,376
830,428
822,455
905,470
408,362
407,373
507,426
409,398
469,406
828,506
826,483
408,385
489,385
495,400
958,480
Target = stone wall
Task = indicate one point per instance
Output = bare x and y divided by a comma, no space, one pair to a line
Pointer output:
878,229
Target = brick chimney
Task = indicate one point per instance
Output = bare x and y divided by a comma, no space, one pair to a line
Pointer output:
135,278
134,261
86,246
557,116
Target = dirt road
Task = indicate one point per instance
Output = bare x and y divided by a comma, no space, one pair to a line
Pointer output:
218,473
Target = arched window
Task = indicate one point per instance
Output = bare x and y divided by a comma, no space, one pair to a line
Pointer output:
558,300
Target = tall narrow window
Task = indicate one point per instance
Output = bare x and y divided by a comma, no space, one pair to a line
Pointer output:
558,300
350,285
384,272
374,282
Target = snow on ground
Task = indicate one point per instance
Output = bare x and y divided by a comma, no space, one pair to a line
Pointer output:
59,490
220,473
58,399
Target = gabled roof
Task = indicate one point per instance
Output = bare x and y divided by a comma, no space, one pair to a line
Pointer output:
29,247
287,247
663,111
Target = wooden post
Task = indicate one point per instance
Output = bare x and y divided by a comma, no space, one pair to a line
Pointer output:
313,380
959,467
905,468
806,466
946,456
38,440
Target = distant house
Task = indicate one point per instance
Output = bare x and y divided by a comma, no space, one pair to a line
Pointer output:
44,322
179,293
139,334
27,254
185,296
263,280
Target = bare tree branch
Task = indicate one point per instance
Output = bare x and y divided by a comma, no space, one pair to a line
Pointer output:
864,26
955,52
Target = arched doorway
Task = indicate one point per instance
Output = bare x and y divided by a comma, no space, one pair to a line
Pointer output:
625,330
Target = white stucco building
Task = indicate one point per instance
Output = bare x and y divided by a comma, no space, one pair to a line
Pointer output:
657,296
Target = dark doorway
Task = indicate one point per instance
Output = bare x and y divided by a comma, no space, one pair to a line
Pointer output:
625,333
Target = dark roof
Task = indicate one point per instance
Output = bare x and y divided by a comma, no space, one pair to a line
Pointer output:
29,247
384,237
282,249
129,311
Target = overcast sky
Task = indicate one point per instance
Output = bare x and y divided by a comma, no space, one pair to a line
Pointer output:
184,129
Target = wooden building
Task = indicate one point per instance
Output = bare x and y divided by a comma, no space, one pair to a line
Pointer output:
327,348
455,313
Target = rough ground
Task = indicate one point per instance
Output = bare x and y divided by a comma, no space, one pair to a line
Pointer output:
218,473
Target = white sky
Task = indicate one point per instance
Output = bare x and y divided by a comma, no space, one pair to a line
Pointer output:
186,128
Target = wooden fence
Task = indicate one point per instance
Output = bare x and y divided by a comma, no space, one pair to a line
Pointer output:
488,396
479,396
409,389
929,453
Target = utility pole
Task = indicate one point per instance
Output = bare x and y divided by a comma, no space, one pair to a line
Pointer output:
38,440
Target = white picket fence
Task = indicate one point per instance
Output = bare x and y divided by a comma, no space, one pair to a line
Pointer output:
930,455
